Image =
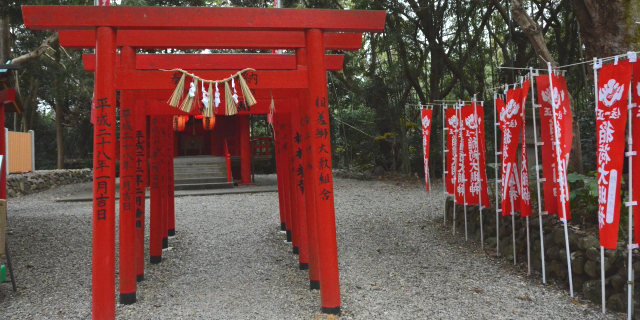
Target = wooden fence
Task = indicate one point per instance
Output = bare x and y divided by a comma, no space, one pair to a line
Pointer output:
20,151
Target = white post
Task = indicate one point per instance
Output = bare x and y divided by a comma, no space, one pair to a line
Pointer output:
444,161
33,150
477,142
513,228
495,167
538,180
464,176
455,172
563,176
602,284
630,205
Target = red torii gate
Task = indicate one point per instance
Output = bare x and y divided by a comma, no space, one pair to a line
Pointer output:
243,23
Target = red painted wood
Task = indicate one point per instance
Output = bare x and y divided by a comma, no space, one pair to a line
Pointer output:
309,178
170,195
298,187
3,148
127,261
160,107
164,179
277,143
217,61
321,156
200,39
9,94
245,149
155,233
104,184
290,182
141,183
198,18
159,80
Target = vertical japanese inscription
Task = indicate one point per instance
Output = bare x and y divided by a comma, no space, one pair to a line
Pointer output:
127,160
104,152
140,170
323,149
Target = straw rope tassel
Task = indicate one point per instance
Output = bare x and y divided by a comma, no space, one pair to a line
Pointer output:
231,106
208,109
177,93
187,104
246,92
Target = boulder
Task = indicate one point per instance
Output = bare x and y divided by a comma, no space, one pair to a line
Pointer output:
577,265
368,174
592,290
593,254
585,243
378,171
618,283
559,269
592,268
617,302
552,253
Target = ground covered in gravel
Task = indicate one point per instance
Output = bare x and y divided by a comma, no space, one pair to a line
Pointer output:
229,261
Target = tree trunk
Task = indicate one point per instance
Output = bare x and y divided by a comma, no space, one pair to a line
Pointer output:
607,27
534,33
5,40
59,110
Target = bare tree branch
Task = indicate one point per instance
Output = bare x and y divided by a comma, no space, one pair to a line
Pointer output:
38,52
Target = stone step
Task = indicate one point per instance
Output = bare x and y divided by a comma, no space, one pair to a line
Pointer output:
181,180
202,186
196,175
198,160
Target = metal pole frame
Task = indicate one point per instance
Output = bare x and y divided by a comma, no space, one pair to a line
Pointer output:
496,124
444,161
475,114
564,180
538,180
630,204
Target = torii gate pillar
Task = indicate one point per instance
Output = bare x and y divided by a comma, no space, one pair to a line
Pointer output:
318,110
104,176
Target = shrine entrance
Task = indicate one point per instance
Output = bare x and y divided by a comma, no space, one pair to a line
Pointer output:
301,124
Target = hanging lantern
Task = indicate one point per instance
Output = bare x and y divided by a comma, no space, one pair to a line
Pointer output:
179,122
208,123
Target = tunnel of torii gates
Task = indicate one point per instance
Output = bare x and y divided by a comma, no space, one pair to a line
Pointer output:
301,120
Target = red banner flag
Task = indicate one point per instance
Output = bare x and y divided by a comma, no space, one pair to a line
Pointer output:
427,114
510,124
564,121
635,162
474,155
525,196
452,147
611,120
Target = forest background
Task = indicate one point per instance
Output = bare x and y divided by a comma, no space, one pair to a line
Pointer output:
430,50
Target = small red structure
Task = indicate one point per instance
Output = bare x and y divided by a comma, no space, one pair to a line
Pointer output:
301,121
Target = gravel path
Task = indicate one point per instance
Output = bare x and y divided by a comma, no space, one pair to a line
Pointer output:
230,262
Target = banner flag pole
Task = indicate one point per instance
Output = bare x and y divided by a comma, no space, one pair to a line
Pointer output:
562,175
477,142
538,180
495,167
602,284
630,153
455,157
444,161
463,155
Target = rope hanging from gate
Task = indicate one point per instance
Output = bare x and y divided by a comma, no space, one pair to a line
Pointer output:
187,102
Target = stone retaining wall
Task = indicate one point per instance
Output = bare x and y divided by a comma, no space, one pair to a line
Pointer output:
584,248
20,184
